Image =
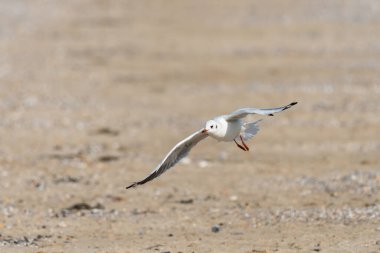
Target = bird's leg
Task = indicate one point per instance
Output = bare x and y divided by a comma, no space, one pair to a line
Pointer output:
240,146
245,145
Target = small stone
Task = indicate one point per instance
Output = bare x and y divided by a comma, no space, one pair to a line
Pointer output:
186,161
233,198
215,228
203,164
186,201
317,247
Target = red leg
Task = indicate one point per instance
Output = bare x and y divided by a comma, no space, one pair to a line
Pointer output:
240,146
245,145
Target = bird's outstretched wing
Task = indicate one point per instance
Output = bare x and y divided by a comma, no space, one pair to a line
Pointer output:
241,113
177,153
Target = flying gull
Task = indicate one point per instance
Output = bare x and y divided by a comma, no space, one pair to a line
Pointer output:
228,127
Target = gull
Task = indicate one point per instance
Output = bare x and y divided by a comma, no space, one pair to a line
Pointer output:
229,127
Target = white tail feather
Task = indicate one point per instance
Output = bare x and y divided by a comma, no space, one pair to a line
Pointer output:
250,129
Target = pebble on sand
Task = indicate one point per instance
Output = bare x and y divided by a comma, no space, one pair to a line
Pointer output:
215,228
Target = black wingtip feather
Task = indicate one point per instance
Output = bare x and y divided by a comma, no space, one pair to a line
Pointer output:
149,178
132,186
289,105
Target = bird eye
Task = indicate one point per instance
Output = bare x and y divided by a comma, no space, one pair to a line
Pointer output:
212,126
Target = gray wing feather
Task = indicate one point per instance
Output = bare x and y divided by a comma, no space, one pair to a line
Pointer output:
179,151
241,113
250,129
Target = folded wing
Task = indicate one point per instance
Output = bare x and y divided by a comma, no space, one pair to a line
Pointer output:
175,155
241,113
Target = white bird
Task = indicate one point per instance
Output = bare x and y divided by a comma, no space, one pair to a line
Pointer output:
228,127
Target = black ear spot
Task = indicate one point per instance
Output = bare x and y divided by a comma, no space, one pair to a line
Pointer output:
216,126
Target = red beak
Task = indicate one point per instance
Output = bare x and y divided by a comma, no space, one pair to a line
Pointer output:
204,131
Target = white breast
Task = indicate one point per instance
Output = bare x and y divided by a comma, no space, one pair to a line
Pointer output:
228,130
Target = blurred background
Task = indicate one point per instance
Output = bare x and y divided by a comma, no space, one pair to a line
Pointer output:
93,94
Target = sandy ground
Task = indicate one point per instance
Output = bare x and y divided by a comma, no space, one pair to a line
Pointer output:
94,93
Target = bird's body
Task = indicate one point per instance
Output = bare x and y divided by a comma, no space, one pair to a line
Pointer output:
229,127
226,131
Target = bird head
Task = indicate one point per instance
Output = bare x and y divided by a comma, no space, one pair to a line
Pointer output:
211,127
